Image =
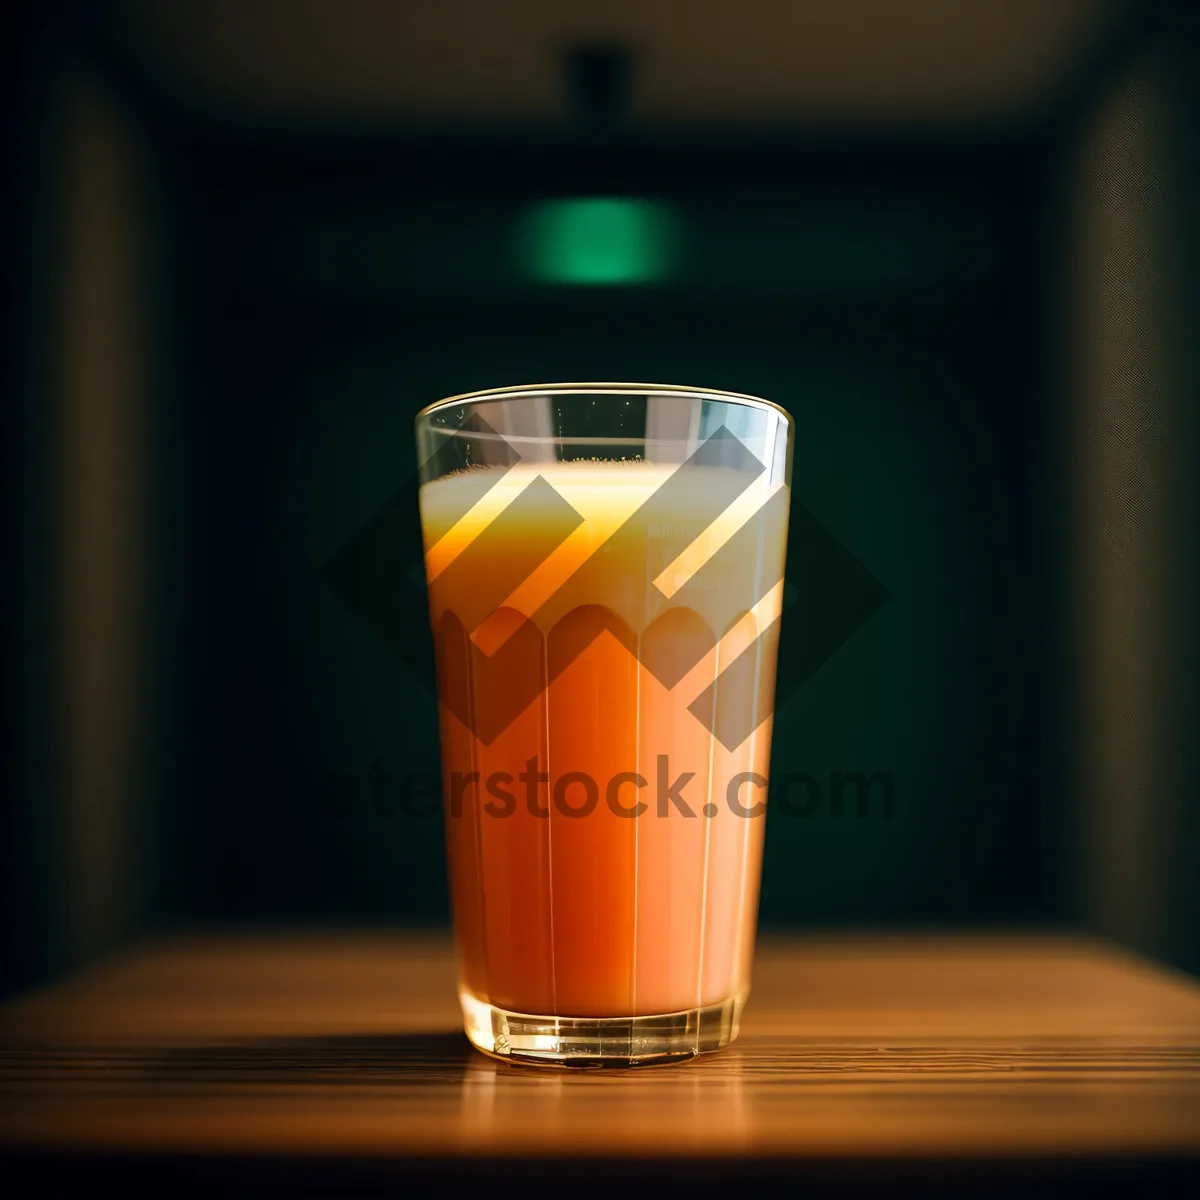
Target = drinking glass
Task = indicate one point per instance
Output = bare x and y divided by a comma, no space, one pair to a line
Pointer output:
605,571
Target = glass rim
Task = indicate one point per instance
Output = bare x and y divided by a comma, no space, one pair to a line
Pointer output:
603,389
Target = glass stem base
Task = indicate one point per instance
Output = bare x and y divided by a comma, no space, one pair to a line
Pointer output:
599,1041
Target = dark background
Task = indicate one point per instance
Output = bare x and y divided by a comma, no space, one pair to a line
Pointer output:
232,285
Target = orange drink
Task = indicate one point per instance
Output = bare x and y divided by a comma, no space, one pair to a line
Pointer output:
605,610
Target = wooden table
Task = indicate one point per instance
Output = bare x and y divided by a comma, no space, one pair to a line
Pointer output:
334,1058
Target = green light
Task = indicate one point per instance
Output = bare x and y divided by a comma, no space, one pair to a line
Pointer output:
598,241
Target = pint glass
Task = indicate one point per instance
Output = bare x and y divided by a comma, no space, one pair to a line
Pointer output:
605,573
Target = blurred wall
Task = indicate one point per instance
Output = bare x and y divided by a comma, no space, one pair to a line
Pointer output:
1132,518
85,340
104,342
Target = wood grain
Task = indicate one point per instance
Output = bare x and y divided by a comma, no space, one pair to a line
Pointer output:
969,1046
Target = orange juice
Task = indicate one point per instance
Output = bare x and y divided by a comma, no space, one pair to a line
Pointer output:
605,648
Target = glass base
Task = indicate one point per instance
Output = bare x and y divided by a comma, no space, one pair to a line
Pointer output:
599,1041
